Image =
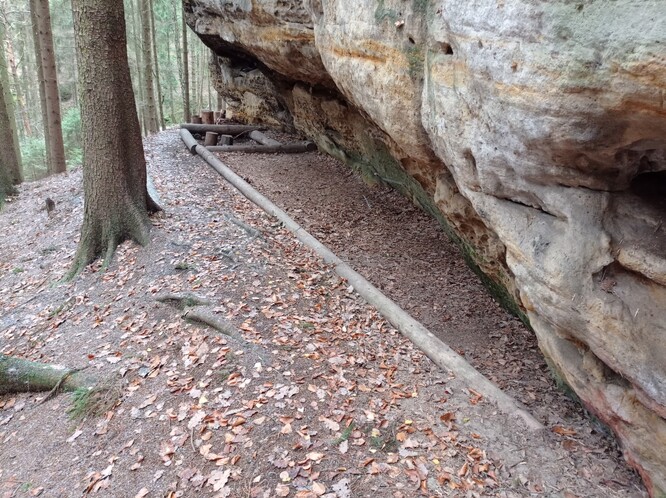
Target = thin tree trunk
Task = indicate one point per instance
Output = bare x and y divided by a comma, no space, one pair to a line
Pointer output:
187,112
148,89
135,29
157,66
10,155
18,89
41,84
42,15
116,200
172,110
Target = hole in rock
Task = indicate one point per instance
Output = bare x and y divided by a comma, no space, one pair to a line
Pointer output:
651,188
411,40
447,48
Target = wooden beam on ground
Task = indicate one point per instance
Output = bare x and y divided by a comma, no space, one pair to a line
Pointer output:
262,139
189,140
294,148
226,129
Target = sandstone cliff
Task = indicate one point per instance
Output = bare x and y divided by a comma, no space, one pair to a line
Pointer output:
535,131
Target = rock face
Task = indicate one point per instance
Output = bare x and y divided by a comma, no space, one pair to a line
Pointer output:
535,131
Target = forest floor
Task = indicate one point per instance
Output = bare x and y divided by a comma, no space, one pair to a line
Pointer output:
317,395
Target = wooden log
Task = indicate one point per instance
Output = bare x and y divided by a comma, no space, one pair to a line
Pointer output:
227,129
211,138
294,148
207,117
262,139
226,140
189,140
196,119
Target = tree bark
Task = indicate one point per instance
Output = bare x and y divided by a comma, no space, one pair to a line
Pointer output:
211,138
10,157
187,113
18,90
114,168
53,122
148,90
41,83
18,375
207,117
158,86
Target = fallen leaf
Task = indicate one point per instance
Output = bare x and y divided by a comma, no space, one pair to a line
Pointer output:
76,434
142,492
281,490
562,431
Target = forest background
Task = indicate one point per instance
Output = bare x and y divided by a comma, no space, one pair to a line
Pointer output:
169,69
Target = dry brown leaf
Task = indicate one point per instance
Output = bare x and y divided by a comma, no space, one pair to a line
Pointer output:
563,431
318,488
142,493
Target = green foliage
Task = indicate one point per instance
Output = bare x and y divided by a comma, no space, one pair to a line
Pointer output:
345,434
93,402
71,134
34,157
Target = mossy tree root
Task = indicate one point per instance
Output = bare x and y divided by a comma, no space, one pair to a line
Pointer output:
19,375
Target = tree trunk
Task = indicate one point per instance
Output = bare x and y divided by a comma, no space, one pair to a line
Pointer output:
148,90
18,375
187,113
41,83
56,147
135,26
160,104
114,167
19,90
211,138
10,157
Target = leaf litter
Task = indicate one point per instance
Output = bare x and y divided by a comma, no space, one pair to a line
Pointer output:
317,396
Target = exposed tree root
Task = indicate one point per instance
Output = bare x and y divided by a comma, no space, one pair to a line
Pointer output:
103,236
207,318
253,232
182,300
19,375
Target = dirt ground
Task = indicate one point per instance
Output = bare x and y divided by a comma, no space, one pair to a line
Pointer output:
313,393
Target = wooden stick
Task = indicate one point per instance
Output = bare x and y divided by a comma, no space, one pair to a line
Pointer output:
267,149
228,129
262,139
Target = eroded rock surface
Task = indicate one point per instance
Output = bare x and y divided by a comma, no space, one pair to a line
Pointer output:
535,131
